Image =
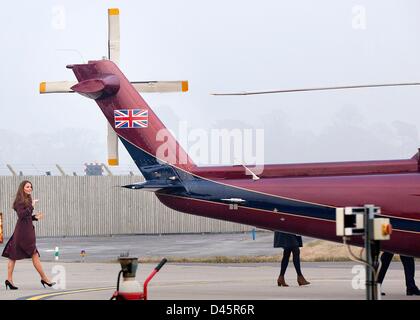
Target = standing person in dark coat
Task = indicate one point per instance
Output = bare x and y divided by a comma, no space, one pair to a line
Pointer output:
22,244
409,272
290,243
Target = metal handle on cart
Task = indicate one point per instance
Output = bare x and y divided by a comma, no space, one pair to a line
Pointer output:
156,270
160,265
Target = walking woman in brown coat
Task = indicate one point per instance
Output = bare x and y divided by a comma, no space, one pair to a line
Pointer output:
22,244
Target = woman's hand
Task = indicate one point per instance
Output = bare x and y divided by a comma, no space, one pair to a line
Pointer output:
39,215
34,202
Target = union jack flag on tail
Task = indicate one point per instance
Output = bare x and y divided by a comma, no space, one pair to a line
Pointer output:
130,118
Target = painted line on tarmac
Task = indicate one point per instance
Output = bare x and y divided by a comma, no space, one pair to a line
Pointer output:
62,293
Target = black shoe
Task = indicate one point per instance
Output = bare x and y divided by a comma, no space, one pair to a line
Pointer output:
46,283
9,285
414,291
383,294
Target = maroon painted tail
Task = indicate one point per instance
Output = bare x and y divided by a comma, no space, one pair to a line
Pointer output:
144,135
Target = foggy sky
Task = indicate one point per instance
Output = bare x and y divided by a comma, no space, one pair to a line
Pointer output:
217,46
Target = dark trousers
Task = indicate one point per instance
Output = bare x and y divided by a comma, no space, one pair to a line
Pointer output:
296,260
409,268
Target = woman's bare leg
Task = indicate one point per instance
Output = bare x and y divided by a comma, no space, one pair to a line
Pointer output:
10,268
38,267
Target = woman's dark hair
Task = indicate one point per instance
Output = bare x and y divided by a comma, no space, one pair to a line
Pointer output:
22,197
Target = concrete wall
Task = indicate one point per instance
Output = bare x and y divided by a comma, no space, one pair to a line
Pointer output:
88,206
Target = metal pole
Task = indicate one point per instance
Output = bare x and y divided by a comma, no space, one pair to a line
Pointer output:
371,286
368,254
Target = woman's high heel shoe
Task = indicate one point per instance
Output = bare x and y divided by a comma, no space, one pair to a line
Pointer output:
281,282
9,285
46,283
302,281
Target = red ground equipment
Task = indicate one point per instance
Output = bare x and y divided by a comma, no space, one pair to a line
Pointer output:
129,288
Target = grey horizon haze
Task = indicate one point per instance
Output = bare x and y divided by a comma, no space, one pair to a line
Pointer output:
218,46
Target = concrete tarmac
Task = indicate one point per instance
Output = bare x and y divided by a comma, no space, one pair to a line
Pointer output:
333,281
106,249
95,279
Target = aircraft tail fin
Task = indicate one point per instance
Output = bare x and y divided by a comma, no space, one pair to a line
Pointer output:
153,148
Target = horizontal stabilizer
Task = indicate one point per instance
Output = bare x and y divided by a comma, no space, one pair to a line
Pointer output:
153,186
102,86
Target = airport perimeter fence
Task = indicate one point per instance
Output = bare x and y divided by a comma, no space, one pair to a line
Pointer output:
97,205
